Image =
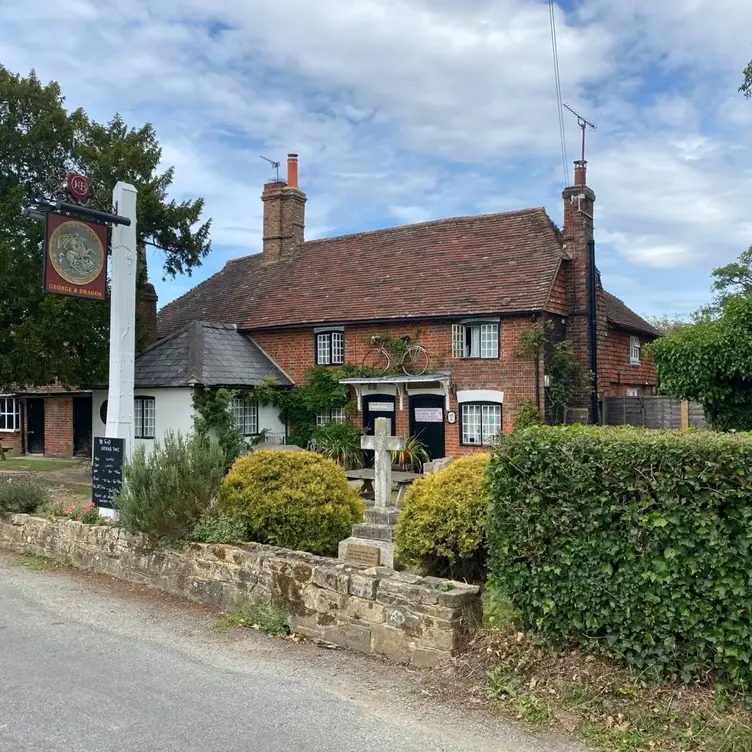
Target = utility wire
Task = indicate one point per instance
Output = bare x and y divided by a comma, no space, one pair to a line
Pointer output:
557,78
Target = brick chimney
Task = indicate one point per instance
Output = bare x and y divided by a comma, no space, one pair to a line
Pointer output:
147,309
579,201
284,214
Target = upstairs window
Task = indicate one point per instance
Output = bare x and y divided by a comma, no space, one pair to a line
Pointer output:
335,415
634,351
330,348
144,417
245,413
475,340
481,424
10,416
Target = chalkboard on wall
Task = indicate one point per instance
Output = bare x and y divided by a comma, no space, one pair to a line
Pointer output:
106,470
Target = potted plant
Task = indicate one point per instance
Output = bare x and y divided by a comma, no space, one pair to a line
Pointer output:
412,457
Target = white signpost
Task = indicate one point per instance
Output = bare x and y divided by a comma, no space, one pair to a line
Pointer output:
120,397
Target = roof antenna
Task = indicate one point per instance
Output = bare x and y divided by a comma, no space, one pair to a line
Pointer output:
584,124
275,165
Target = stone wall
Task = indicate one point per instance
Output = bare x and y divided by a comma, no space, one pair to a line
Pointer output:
406,618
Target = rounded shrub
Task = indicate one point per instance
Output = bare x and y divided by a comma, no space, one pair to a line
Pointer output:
297,500
22,495
442,523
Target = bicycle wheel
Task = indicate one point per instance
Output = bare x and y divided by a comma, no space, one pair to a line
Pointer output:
378,360
415,360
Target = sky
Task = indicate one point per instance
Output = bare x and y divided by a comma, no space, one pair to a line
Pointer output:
409,110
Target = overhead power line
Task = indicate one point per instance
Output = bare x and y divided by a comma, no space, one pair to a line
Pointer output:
559,102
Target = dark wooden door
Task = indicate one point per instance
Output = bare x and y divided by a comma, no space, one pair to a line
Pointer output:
377,406
82,425
427,422
35,423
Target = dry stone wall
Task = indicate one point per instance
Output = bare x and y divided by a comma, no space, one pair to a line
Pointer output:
407,618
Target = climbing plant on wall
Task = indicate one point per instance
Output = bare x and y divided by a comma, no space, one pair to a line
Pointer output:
559,361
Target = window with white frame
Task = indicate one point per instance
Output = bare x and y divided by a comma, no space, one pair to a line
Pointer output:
330,348
481,424
634,351
633,392
10,414
245,413
475,340
335,415
144,417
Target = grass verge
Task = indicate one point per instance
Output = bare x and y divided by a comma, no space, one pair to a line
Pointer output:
612,708
32,561
36,465
264,618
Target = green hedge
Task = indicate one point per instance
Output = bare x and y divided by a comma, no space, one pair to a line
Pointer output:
634,542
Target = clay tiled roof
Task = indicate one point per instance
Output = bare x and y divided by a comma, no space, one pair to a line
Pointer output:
493,263
623,317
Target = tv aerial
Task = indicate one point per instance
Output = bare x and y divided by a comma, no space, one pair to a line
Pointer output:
275,165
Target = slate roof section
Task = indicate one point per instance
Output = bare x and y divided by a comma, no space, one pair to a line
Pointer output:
206,354
491,263
620,315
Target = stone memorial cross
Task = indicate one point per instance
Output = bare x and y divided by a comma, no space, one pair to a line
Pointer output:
382,444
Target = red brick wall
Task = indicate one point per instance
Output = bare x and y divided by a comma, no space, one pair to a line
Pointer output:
11,440
617,374
293,351
58,426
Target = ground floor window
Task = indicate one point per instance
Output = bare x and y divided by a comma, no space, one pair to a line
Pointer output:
10,414
144,417
481,424
246,416
335,415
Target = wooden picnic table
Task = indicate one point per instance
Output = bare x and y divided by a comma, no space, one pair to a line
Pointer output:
367,475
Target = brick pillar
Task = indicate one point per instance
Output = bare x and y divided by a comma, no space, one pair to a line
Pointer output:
58,426
579,203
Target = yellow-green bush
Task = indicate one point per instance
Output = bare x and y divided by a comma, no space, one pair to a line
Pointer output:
297,500
442,523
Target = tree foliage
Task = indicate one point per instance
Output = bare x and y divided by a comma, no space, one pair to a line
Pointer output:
44,338
746,87
710,362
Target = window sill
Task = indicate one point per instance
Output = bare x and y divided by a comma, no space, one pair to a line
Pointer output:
478,357
634,365
144,438
9,430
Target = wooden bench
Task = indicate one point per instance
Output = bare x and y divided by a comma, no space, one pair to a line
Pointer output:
367,475
3,452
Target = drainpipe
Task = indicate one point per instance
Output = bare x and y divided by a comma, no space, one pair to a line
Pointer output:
593,331
537,371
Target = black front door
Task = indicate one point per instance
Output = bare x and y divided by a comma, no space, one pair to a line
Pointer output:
82,425
35,423
427,422
377,406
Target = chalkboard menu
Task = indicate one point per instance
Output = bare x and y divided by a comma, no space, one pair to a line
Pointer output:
106,470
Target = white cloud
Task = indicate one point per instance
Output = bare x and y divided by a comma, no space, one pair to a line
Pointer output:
403,110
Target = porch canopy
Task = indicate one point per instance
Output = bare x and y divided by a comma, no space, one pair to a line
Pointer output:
402,383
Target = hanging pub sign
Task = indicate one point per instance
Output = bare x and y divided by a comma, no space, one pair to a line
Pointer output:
75,259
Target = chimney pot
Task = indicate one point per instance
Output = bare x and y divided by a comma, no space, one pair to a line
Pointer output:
580,172
292,171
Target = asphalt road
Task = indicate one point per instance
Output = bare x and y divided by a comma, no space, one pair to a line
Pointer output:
88,665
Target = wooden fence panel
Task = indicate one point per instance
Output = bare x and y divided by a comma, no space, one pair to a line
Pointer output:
650,412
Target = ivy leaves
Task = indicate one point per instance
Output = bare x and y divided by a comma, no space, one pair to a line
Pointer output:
635,543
